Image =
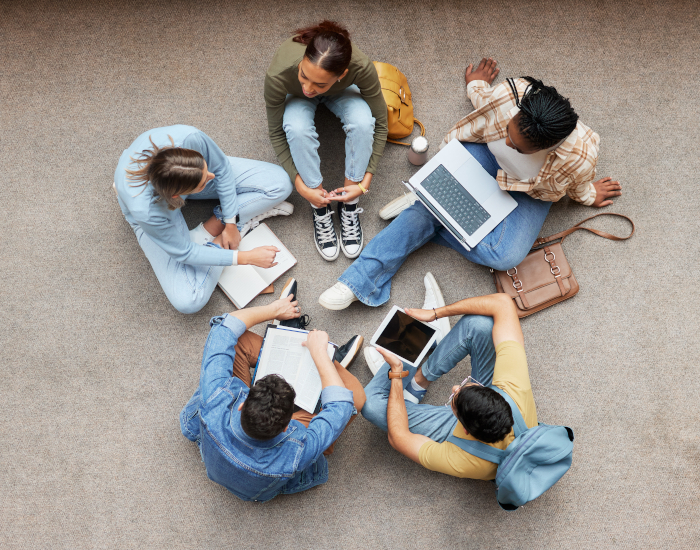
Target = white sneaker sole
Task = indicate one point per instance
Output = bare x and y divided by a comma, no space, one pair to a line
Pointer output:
336,307
352,354
328,258
373,367
443,324
356,254
284,209
398,205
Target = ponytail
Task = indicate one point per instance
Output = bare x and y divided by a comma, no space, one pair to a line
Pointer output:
546,117
171,170
328,46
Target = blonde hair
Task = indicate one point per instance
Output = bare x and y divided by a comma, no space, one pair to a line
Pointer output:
172,171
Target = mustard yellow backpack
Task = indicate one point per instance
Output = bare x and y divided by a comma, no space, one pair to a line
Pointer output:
397,95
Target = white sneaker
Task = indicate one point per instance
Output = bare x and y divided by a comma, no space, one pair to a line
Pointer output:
282,209
199,235
351,237
337,297
398,205
434,299
375,360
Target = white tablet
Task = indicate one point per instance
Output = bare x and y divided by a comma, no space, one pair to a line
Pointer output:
404,336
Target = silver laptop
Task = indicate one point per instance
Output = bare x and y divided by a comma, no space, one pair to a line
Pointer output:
461,194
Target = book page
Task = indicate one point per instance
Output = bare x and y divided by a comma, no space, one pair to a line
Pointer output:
283,354
242,283
263,236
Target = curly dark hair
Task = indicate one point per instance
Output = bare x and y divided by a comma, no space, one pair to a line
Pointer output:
484,413
268,408
546,117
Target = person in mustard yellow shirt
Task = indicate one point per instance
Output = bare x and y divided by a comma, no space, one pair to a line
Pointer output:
489,332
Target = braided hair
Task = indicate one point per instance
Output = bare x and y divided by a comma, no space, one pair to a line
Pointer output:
546,117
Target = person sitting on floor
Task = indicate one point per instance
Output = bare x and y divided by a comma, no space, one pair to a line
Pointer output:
536,148
165,166
251,440
319,65
489,332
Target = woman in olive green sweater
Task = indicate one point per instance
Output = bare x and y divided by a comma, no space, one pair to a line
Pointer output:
319,65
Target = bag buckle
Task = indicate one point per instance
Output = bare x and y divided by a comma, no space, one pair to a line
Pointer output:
547,259
518,285
515,271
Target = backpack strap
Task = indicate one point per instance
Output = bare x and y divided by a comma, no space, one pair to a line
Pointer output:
478,449
519,425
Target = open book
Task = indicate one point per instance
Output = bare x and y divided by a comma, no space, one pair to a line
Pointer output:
283,354
242,283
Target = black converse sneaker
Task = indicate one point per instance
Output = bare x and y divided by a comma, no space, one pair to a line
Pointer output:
346,353
351,239
324,233
290,287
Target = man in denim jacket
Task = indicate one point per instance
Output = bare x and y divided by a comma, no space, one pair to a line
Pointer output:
291,458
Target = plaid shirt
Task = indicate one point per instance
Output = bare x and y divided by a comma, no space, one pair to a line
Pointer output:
569,169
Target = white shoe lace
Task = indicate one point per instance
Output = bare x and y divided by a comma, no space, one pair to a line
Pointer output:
350,223
324,228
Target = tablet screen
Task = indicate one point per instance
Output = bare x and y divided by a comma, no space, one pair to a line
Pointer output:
405,336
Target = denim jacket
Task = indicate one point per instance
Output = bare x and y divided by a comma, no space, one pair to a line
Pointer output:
250,468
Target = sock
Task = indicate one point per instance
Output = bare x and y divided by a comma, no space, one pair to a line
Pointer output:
416,386
354,201
408,396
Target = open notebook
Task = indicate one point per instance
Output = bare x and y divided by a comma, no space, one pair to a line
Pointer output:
283,354
242,283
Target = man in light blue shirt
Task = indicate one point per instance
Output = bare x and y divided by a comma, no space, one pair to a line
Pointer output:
250,440
164,166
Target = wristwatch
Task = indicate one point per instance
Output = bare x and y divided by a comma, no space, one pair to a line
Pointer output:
392,375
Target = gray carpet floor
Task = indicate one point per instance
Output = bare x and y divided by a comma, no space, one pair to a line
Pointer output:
96,364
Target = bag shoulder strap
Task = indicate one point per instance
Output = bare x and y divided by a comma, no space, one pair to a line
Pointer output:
422,133
519,425
563,234
484,451
478,449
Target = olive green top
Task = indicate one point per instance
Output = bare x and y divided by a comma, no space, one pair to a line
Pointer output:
282,79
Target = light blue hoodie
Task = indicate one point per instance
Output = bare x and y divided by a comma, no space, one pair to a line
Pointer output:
142,207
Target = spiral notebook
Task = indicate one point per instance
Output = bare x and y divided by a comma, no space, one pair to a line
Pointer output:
242,283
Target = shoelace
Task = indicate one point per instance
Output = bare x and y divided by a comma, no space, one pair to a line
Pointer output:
324,228
304,321
350,223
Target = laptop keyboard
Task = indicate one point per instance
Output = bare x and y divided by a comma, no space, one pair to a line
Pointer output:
454,198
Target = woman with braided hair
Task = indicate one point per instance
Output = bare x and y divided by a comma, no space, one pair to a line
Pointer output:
527,136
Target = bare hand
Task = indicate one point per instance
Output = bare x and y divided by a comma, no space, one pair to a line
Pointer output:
318,197
394,362
317,342
230,236
286,309
351,193
606,188
486,71
425,315
262,256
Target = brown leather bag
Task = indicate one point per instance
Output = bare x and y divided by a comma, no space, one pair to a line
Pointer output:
544,277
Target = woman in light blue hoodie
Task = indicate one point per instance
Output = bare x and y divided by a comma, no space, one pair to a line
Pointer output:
162,168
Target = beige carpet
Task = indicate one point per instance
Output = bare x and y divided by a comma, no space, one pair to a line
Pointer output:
96,364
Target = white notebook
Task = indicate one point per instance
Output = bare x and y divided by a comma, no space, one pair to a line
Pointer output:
283,354
242,283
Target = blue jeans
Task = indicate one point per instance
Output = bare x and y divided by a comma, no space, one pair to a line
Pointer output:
260,186
358,124
470,336
369,277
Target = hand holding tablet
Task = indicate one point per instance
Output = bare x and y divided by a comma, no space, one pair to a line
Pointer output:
404,336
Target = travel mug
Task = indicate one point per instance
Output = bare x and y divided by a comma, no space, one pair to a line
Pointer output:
418,151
